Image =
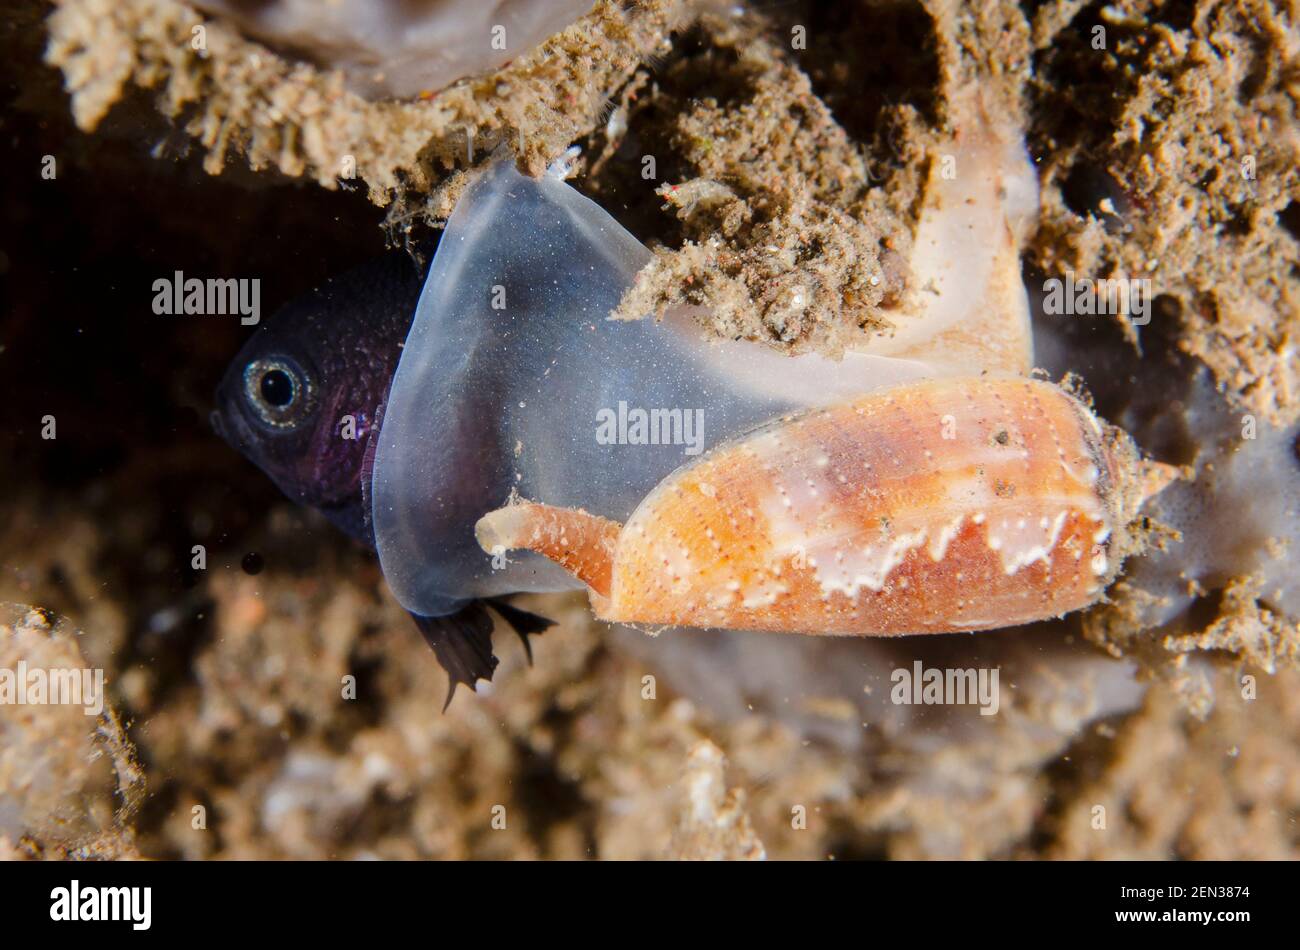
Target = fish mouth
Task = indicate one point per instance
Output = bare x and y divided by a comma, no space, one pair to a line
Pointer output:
237,433
228,422
231,418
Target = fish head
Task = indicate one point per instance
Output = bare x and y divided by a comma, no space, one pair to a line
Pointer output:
304,397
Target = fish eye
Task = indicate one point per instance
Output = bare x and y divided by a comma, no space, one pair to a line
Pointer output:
277,388
279,391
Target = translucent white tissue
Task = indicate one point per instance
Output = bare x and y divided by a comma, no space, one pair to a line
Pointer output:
513,379
402,47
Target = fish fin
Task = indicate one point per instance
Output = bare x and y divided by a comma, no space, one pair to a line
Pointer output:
522,622
462,642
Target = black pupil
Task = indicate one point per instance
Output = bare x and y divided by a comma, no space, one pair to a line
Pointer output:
277,388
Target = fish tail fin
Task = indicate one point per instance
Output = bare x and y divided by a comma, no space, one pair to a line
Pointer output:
523,622
462,641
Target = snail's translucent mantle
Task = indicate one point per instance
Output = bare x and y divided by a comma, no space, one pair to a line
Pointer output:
510,366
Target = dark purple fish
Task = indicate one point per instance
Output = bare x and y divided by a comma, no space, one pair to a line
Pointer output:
303,401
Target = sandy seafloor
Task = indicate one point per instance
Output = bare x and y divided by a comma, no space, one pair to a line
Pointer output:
1174,708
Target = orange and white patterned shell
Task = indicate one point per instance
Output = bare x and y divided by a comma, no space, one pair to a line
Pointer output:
936,506
939,506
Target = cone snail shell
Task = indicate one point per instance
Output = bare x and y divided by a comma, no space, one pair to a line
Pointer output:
934,506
